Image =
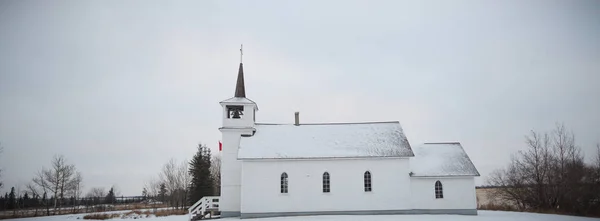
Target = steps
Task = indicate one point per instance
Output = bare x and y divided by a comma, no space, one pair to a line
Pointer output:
205,208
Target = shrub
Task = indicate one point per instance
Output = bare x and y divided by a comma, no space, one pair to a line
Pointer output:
170,212
101,216
501,207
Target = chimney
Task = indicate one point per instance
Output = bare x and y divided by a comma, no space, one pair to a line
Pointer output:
297,119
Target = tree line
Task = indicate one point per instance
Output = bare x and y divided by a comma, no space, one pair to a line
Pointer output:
12,200
16,200
57,189
180,185
550,175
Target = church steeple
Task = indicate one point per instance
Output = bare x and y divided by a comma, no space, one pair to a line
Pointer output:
240,89
238,111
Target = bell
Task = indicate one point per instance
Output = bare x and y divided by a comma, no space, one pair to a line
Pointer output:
236,113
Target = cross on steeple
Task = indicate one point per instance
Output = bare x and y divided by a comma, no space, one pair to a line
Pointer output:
241,52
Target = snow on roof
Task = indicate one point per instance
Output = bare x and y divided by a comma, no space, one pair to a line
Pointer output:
238,100
336,140
441,159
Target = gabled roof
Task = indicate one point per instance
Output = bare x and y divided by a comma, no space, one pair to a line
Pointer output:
335,140
441,159
238,100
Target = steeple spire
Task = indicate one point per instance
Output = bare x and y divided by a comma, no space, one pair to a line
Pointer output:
240,89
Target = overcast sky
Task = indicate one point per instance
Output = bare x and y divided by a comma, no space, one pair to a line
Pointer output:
121,87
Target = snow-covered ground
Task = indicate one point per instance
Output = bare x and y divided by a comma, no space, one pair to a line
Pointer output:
483,216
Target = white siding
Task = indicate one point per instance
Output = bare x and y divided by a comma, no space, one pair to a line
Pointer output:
246,120
230,173
459,193
231,167
261,189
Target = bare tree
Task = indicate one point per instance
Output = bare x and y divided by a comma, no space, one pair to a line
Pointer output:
215,172
522,182
60,179
40,186
97,194
67,173
184,182
536,160
169,177
34,191
549,175
152,187
176,179
74,186
508,193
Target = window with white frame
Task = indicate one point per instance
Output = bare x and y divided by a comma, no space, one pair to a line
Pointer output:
284,183
367,181
326,183
439,192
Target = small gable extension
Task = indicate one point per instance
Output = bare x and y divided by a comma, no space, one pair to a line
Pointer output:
441,160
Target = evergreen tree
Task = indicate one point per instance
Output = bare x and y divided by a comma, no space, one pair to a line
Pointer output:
44,199
162,192
25,200
35,201
144,193
2,203
202,181
20,202
5,201
45,203
12,200
110,197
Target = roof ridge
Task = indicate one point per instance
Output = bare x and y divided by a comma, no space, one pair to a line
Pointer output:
239,98
337,123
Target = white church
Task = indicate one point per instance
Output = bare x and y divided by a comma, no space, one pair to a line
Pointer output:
270,169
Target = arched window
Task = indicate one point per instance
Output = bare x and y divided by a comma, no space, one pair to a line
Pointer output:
284,183
439,193
367,181
326,183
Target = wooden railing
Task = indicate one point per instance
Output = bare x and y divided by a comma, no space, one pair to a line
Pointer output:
206,204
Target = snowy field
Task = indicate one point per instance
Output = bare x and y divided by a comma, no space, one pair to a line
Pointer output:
483,216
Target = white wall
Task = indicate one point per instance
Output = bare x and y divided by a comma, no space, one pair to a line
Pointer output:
261,189
459,193
231,168
230,173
